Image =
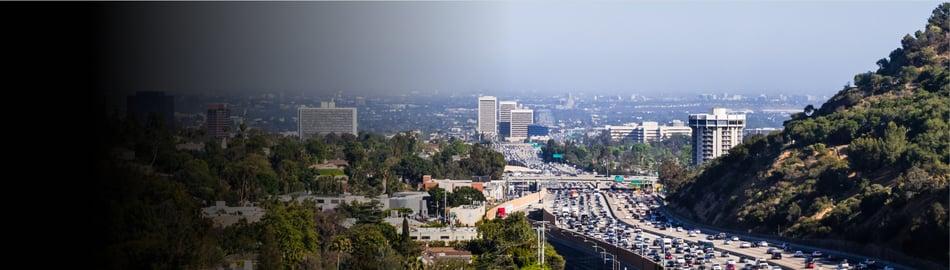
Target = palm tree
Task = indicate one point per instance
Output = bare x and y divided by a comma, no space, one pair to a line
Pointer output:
341,245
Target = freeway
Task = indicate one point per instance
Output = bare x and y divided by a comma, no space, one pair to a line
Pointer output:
584,210
619,203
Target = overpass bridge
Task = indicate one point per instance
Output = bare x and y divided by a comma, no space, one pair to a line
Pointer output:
602,181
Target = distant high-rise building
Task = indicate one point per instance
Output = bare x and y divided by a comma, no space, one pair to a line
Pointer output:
714,134
520,119
487,115
647,131
504,117
325,119
504,128
504,110
145,103
218,120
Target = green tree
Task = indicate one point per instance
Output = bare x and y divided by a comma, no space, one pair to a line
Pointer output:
465,196
293,232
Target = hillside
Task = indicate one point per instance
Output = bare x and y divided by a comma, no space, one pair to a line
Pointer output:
868,168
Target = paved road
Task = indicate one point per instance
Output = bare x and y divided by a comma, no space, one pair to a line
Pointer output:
786,262
592,209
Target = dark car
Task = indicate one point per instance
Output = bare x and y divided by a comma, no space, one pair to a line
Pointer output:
776,255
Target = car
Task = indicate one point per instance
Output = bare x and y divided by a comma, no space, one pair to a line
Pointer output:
777,256
762,244
727,242
770,250
717,267
745,245
735,238
817,254
723,254
798,254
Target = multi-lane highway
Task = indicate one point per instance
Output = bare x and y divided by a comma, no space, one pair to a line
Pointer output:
630,220
581,208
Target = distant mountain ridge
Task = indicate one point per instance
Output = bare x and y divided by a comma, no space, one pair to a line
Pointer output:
870,166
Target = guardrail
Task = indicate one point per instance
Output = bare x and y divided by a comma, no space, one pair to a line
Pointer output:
810,244
626,256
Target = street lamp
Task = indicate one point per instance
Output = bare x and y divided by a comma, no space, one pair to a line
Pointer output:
604,253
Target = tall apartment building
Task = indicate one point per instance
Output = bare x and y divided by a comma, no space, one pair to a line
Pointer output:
714,134
217,120
520,119
647,131
325,119
487,115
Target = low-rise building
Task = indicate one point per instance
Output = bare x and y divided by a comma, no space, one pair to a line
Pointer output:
647,131
224,216
330,202
443,234
494,190
449,185
413,200
433,254
468,215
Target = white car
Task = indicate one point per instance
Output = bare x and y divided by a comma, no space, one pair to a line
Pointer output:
735,238
716,267
763,244
745,245
692,234
727,242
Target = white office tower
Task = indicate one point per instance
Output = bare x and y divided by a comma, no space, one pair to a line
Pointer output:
714,134
520,119
488,115
325,120
504,110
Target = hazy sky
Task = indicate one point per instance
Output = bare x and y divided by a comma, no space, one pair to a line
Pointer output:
498,47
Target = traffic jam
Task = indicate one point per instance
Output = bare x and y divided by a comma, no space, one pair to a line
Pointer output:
639,227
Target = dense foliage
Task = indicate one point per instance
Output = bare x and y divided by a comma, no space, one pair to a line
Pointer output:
511,243
869,166
150,192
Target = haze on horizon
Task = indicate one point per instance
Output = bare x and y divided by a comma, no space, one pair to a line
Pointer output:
386,48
